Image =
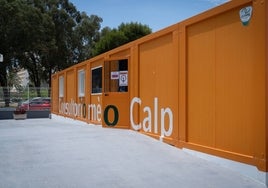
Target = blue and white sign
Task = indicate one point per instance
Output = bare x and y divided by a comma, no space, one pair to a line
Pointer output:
245,15
123,78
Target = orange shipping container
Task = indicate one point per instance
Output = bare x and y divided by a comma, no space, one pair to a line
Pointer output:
200,84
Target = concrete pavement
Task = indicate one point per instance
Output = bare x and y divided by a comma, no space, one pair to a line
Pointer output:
56,153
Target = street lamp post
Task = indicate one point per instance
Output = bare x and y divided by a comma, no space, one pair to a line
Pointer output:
1,58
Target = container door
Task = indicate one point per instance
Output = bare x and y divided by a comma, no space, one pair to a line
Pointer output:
115,102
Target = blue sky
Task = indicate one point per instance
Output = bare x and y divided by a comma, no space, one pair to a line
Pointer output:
157,14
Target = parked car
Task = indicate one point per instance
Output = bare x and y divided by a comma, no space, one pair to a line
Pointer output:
37,103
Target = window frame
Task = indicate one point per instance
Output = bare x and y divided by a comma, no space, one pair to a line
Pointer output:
81,83
91,71
61,86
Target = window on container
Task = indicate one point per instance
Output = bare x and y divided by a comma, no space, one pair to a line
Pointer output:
116,76
96,80
61,86
81,83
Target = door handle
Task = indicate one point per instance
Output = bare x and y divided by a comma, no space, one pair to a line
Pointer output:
106,94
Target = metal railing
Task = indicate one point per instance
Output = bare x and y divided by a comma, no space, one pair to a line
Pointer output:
11,97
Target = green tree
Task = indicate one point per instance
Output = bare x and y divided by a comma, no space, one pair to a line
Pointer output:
112,38
134,31
9,38
70,36
86,35
35,30
44,37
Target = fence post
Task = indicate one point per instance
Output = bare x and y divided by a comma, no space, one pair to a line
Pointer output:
28,96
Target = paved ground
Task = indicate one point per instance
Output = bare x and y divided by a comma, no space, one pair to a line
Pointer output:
51,153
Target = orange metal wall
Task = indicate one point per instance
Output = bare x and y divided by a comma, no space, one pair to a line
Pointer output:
158,87
226,85
71,93
55,94
199,84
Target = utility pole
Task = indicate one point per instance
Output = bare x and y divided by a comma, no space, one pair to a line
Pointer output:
1,58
